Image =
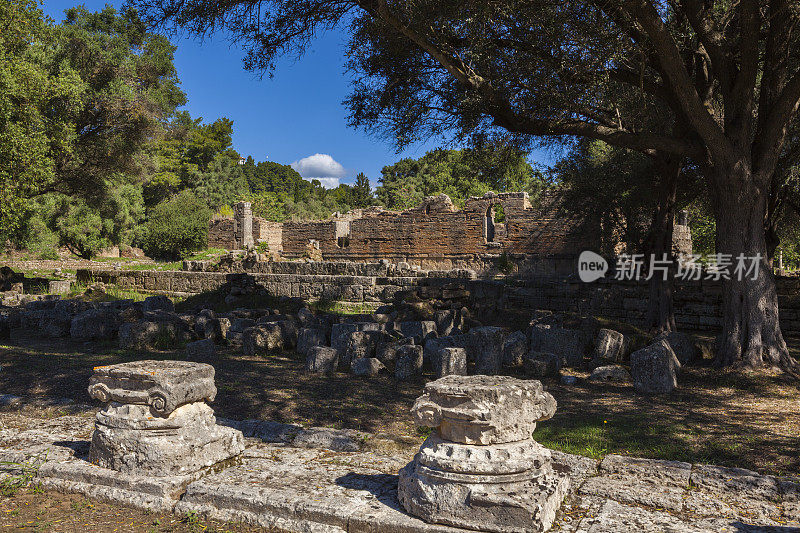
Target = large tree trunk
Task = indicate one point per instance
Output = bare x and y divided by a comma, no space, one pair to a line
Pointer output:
751,334
660,314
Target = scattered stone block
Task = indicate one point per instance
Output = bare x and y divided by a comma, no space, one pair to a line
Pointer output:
95,324
366,366
238,325
201,351
59,286
408,362
450,361
682,345
386,351
156,420
485,347
216,329
480,469
419,330
514,349
654,369
158,303
448,322
146,334
309,338
360,345
569,344
610,373
610,345
541,364
262,339
322,360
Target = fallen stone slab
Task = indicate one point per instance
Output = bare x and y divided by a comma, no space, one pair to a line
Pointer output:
158,494
306,490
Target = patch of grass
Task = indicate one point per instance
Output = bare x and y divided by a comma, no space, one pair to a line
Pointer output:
344,308
20,474
113,292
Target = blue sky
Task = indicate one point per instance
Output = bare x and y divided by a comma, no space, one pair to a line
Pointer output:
295,117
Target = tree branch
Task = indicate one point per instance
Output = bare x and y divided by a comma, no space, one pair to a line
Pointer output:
675,71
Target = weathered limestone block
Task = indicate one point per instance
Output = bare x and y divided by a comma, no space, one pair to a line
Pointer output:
262,338
322,360
309,338
156,422
514,349
610,345
95,324
448,322
216,329
201,351
408,362
158,303
611,373
682,344
386,352
149,334
542,364
569,344
359,345
654,369
366,366
418,329
485,347
480,469
450,361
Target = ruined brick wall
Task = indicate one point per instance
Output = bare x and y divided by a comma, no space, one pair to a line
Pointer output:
269,232
220,233
437,235
437,232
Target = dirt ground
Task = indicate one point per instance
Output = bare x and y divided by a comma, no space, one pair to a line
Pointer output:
728,418
34,510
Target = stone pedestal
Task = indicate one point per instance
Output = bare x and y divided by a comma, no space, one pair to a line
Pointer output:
156,421
480,469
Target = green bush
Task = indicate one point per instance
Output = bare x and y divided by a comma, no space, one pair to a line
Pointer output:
177,227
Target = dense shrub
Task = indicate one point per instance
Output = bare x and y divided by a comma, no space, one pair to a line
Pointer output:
177,227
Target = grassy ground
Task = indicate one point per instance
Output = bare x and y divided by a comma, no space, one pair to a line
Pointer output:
733,419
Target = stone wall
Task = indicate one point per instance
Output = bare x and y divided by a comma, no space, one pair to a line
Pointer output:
434,235
220,233
268,232
696,302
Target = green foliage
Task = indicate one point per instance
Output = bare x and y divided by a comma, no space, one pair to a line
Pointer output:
80,228
459,174
262,247
37,97
703,227
177,227
362,192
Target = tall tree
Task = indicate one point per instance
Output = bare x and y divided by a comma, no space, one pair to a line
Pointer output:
362,192
36,101
726,73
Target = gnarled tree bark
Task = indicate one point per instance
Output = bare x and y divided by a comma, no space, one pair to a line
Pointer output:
751,336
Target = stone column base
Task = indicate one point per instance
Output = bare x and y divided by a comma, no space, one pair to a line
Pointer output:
511,506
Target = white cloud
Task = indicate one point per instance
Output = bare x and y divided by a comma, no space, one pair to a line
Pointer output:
319,166
328,183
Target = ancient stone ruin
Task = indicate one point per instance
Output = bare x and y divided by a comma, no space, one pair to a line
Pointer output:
435,235
156,421
480,469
